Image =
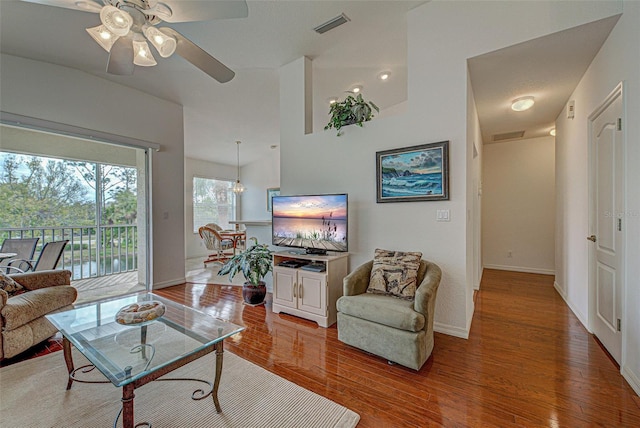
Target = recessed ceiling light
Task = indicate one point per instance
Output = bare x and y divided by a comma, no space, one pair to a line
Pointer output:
384,76
332,100
552,132
522,103
356,89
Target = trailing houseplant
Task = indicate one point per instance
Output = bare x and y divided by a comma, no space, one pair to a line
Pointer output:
353,110
254,263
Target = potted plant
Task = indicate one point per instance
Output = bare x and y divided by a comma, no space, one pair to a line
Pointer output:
254,263
351,110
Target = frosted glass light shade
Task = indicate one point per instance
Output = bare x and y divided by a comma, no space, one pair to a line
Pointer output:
103,37
117,21
142,55
522,104
164,44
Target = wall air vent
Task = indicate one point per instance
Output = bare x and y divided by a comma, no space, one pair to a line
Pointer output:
508,136
332,23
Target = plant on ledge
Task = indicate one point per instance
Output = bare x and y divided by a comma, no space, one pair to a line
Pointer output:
353,110
254,263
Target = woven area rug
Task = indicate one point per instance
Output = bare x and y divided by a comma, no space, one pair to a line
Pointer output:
32,394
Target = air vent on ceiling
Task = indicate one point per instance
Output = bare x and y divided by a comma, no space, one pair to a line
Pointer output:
508,136
332,23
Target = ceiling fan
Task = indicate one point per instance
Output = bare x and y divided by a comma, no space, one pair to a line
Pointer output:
127,26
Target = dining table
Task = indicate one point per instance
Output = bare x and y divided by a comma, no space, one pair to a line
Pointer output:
235,236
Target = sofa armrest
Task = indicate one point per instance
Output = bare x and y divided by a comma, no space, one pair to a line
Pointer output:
43,279
358,280
425,300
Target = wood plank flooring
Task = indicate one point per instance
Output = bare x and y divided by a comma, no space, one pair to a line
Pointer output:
527,363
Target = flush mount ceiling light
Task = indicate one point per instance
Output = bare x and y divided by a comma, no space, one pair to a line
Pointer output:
522,103
384,75
238,187
128,27
356,89
552,132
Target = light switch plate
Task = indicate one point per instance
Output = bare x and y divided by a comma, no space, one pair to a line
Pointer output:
443,215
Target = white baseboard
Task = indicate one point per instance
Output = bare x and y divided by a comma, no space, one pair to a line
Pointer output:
521,269
451,330
573,308
632,379
165,284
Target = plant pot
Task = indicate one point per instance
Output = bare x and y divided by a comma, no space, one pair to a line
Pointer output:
254,294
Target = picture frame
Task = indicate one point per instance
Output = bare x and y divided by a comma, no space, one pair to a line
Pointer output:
411,174
271,192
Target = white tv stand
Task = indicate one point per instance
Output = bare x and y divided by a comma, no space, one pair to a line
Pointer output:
308,294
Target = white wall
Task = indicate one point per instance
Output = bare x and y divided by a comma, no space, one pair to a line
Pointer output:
442,35
617,61
519,205
258,177
68,96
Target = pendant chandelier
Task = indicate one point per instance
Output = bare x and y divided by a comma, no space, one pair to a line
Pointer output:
238,187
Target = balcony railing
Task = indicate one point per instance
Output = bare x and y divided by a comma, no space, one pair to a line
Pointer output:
92,251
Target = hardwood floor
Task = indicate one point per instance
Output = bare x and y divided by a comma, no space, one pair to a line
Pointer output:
528,362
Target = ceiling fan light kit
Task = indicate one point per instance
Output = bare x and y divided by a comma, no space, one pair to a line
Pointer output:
127,26
164,44
119,22
103,37
142,53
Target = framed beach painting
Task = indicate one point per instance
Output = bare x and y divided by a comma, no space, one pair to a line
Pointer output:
271,192
417,173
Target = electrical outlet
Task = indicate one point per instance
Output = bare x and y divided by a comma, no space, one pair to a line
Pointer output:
509,254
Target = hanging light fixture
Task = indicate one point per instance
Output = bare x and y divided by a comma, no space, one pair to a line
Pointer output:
238,187
118,23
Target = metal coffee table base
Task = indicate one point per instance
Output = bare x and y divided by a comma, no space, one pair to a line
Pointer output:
128,390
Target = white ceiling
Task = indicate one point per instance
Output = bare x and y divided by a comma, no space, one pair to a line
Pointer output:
278,32
547,68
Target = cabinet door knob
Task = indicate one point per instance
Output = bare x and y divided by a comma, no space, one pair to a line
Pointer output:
299,291
592,238
295,286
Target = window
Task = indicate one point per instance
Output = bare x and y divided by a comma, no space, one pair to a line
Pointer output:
213,202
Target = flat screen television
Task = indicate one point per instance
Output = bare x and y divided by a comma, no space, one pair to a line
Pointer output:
317,223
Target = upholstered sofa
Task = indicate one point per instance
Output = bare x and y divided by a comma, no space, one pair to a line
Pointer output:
399,330
22,320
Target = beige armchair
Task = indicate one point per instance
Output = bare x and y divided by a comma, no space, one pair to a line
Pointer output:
398,330
22,317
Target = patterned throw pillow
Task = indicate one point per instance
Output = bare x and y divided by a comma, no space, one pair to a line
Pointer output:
10,286
395,273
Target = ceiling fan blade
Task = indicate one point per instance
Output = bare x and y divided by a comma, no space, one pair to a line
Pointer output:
84,5
199,57
121,57
189,11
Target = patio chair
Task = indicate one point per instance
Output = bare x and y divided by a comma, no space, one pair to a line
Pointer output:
47,260
23,248
210,234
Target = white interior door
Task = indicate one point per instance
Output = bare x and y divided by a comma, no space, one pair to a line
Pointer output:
607,222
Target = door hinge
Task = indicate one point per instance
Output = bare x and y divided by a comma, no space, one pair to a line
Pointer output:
619,325
619,124
619,225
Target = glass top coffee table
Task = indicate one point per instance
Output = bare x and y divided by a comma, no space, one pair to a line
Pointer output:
130,356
